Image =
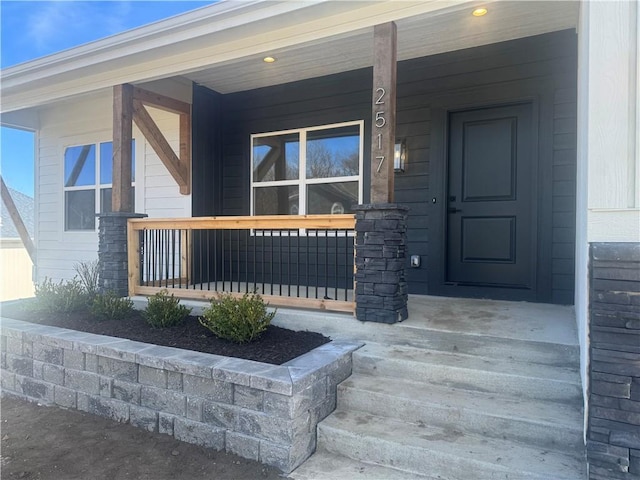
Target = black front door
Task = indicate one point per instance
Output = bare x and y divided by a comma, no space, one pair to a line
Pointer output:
491,224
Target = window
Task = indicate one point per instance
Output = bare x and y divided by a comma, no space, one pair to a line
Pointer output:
87,184
313,170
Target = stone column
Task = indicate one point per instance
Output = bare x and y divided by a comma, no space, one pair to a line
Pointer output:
613,438
112,252
381,287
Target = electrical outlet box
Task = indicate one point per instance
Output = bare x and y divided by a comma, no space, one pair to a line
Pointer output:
415,261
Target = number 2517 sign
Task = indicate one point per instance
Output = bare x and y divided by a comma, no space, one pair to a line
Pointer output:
379,122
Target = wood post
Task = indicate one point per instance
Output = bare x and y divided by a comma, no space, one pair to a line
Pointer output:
121,200
383,132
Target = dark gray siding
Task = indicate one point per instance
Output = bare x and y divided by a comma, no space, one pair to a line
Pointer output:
544,65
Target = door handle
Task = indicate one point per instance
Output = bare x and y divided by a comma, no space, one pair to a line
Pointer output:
454,210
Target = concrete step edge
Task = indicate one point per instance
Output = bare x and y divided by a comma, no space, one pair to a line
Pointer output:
449,454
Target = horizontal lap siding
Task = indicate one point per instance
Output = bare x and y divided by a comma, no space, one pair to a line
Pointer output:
347,96
82,122
547,58
325,100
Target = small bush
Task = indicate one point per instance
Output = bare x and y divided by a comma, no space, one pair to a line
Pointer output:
88,273
111,307
63,297
164,310
239,320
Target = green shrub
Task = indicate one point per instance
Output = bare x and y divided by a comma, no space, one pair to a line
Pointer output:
109,306
164,310
69,296
88,273
240,320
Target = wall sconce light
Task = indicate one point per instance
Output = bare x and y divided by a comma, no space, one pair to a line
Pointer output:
400,156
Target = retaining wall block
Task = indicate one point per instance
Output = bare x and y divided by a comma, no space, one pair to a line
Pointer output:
242,445
35,389
248,397
209,389
165,423
65,397
220,415
73,359
198,433
52,374
118,369
85,382
154,377
144,418
126,391
163,400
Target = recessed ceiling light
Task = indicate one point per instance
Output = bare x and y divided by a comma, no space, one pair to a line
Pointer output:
479,12
268,59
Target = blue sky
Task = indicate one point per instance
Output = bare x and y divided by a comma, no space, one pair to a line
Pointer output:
33,29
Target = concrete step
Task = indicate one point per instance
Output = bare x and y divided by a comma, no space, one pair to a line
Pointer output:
331,466
444,453
470,372
342,327
550,425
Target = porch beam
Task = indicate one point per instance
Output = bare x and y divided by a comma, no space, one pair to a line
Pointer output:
177,168
383,131
121,200
161,102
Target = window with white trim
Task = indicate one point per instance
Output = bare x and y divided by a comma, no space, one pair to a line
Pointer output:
87,184
313,170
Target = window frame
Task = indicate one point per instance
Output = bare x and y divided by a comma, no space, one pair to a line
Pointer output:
97,187
302,181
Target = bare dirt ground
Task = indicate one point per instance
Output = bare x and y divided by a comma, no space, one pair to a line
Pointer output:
49,443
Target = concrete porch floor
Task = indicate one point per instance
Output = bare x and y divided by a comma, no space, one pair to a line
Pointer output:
523,321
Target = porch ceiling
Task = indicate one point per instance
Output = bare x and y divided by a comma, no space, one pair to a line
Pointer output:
222,46
430,33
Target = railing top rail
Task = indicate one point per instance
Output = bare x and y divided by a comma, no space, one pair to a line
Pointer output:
266,222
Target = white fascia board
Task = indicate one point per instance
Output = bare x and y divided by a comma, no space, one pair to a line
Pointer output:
228,30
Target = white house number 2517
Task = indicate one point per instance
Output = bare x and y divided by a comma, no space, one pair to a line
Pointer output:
380,121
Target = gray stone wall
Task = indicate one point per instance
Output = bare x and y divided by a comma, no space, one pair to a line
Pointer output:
258,411
381,286
112,252
613,438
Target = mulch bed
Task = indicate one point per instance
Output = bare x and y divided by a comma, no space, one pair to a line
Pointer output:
276,345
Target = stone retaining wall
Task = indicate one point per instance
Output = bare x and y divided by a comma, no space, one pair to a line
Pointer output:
258,411
613,441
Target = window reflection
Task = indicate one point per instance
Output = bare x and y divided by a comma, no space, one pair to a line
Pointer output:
80,166
276,158
333,152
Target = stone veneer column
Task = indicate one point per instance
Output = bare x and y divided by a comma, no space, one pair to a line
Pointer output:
112,252
613,438
381,287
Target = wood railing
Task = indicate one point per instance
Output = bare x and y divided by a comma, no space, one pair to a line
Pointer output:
299,261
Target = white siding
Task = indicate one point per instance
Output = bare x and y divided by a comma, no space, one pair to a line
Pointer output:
85,121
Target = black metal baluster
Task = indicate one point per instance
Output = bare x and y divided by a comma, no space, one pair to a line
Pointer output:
264,236
180,266
308,245
317,263
246,261
222,258
215,259
167,259
335,258
208,262
297,236
326,264
289,262
239,266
